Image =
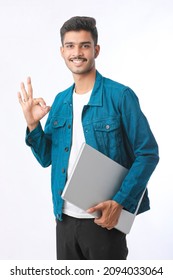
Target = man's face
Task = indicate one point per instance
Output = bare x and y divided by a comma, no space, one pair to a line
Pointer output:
79,51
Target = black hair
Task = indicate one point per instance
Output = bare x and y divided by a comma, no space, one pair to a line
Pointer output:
80,23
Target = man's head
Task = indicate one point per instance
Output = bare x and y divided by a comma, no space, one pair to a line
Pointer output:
80,23
79,44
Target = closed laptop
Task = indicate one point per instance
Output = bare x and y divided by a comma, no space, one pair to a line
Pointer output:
96,178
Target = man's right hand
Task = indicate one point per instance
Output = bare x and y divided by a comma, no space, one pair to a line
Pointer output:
34,109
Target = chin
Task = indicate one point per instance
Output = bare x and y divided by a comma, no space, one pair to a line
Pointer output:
81,71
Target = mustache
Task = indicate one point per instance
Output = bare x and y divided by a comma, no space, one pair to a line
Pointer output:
78,58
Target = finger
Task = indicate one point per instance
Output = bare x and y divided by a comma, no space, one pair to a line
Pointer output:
46,109
42,104
30,90
91,210
40,101
98,207
100,220
20,98
109,228
101,224
24,92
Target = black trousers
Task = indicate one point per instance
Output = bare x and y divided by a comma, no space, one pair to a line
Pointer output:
82,239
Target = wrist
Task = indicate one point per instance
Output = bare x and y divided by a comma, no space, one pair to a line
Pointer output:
117,204
32,126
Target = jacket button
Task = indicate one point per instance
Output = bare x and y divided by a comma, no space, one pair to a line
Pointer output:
63,170
66,149
59,192
107,126
69,126
30,140
55,122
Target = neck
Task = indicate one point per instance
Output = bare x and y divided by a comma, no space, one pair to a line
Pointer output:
84,82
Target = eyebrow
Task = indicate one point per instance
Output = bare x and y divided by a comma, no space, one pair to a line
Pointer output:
81,43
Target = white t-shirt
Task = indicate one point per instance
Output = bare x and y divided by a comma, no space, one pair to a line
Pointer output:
79,100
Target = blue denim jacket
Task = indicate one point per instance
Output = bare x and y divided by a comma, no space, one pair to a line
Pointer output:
114,124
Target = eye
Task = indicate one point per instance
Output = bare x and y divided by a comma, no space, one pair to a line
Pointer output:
69,46
86,46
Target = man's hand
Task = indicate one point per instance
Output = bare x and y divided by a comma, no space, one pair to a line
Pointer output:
110,212
34,109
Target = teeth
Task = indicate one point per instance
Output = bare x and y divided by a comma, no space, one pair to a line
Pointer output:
78,60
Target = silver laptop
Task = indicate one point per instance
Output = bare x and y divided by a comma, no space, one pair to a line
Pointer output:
96,178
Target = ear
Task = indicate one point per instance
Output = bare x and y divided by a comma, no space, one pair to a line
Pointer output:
97,50
62,51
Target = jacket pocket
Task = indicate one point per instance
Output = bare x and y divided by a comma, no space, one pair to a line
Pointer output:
108,134
58,129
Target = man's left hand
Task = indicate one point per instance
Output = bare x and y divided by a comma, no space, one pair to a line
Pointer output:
110,212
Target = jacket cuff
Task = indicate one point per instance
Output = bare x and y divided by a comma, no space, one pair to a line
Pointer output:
34,134
128,203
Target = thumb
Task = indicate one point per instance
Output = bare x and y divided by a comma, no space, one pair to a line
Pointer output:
45,109
97,207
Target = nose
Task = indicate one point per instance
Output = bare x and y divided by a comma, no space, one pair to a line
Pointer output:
77,51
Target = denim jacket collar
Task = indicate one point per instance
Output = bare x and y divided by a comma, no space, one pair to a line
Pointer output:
97,93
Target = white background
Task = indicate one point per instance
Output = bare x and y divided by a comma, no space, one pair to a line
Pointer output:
136,38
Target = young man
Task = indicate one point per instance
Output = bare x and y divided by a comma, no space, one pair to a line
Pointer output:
107,116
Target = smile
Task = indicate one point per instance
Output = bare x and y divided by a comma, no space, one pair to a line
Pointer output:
78,60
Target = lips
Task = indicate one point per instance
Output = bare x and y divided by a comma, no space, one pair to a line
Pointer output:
78,60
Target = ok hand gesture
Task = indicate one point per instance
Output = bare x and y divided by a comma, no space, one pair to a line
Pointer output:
34,109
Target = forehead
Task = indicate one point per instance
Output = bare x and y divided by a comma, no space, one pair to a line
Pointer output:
77,37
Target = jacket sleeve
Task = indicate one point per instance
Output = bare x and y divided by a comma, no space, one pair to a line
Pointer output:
40,143
144,148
